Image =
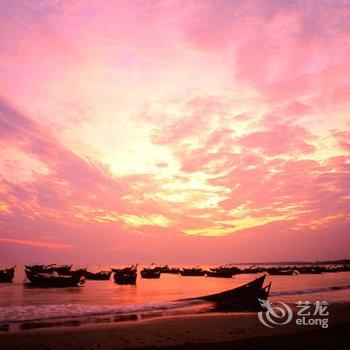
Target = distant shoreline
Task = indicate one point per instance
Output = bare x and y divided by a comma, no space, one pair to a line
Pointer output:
340,261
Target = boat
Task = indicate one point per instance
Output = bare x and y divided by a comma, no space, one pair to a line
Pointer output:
196,271
151,272
40,268
167,269
252,269
6,275
60,269
313,269
53,279
126,275
221,271
310,272
282,272
75,272
98,276
245,297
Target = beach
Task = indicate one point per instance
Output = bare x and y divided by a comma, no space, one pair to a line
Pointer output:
208,331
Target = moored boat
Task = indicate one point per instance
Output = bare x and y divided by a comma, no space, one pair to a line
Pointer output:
313,269
6,275
245,297
60,269
40,268
126,275
282,272
196,271
167,269
75,272
53,279
221,271
98,276
151,272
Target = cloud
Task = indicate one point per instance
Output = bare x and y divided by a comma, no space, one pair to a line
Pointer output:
279,139
226,119
45,245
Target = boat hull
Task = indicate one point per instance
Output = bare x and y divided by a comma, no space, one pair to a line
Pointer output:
47,280
97,276
191,272
125,278
150,274
245,297
7,275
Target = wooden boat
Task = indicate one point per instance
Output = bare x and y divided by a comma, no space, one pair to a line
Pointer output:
167,269
127,275
245,297
196,271
313,269
6,275
221,271
40,268
98,276
151,272
220,274
252,269
75,272
54,279
281,272
60,269
310,272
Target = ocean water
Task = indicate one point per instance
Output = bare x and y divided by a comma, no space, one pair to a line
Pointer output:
20,303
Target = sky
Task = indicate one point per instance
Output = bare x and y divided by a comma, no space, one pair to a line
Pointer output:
174,131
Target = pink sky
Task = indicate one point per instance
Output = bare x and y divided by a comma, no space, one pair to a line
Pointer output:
174,131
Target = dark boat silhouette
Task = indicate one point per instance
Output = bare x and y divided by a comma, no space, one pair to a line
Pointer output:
6,275
75,272
221,271
251,269
196,271
151,272
282,271
53,279
167,269
98,276
39,268
60,269
242,298
313,269
126,275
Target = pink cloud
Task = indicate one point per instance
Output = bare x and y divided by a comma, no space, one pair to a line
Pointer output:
279,139
48,245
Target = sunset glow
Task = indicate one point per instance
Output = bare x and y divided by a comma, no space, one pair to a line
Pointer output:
174,131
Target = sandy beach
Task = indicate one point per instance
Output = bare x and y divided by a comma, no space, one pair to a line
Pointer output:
208,331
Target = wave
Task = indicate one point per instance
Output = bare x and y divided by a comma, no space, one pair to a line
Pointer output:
27,313
57,311
310,291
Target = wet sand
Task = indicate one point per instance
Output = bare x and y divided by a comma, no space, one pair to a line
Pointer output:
203,331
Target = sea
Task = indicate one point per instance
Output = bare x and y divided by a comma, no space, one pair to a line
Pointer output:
24,307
